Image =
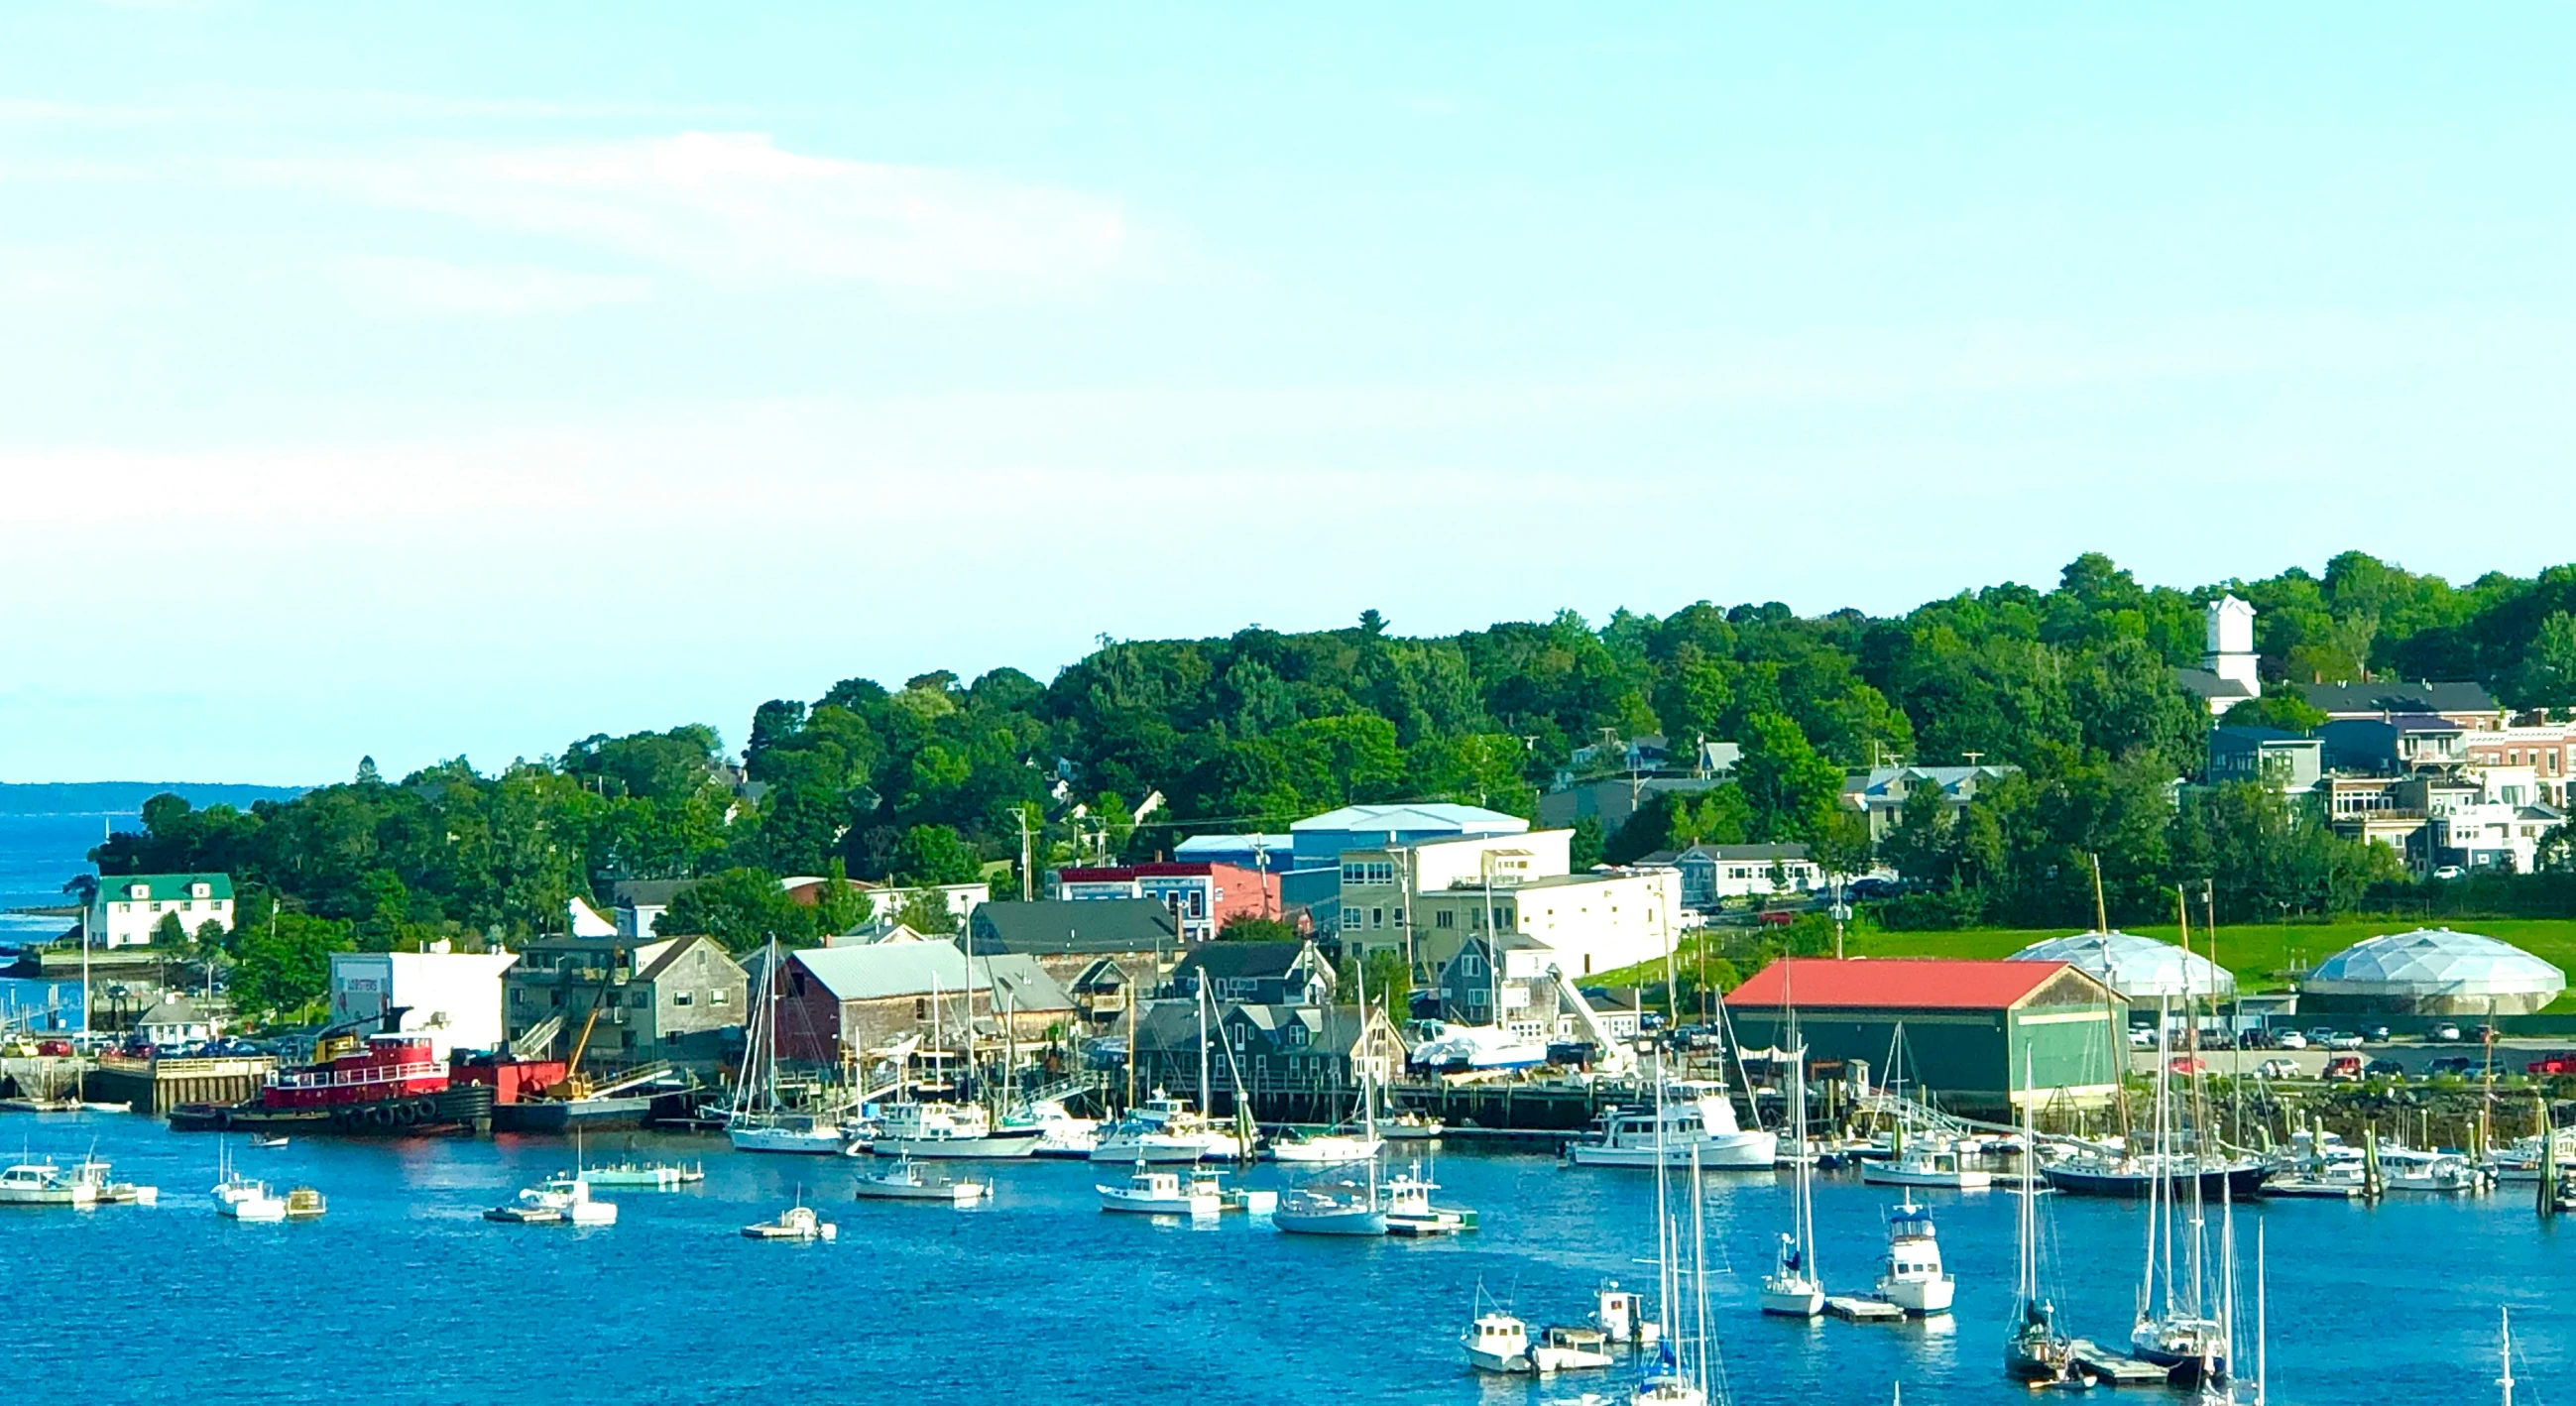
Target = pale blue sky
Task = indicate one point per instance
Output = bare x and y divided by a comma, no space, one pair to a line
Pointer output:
472,377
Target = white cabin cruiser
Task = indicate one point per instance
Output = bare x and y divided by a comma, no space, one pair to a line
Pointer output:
1911,1277
1154,1193
1936,1162
1695,1115
950,1130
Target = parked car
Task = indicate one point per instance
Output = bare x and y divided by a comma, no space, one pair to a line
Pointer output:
2185,1064
2343,1067
2384,1069
2277,1069
2291,1040
2377,1034
2559,1062
1872,890
2450,871
2342,1040
2445,1033
2142,1037
2256,1039
53,1048
2453,1064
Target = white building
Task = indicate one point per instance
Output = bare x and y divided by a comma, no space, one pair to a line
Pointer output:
2229,672
454,996
130,906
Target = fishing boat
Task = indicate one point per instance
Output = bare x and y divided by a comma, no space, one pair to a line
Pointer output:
557,1201
44,1184
230,1183
1159,1193
1928,1162
758,1121
1569,1347
248,1201
1344,1210
643,1176
305,1203
951,1131
1620,1314
1497,1342
1912,1277
1691,1123
1792,1289
797,1222
2035,1351
1409,1211
2432,1173
1164,1130
110,1191
906,1181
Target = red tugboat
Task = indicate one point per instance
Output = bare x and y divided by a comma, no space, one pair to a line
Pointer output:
384,1085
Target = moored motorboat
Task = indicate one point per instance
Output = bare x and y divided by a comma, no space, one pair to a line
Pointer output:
1159,1193
644,1176
385,1085
1346,1210
905,1181
1499,1343
305,1203
1912,1276
558,1201
44,1184
950,1130
1569,1347
1410,1126
1929,1162
798,1222
1692,1122
1326,1149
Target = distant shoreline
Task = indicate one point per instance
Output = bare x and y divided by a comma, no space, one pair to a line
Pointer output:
36,798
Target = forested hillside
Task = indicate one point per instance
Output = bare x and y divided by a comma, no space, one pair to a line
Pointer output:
925,781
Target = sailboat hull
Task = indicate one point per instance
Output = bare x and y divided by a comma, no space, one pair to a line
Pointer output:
2239,1182
1351,1221
816,1142
1007,1143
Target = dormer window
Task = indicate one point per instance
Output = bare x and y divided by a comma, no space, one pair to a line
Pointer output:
138,892
201,890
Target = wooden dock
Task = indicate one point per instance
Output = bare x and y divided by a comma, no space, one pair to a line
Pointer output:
155,1087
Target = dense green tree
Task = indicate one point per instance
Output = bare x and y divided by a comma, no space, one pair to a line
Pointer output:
283,965
1246,928
740,908
2280,708
934,854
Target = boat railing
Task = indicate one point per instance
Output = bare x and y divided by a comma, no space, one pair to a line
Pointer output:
372,1074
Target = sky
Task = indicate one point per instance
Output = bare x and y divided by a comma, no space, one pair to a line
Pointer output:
417,381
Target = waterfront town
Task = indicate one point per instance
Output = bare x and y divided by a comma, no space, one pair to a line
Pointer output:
1172,1020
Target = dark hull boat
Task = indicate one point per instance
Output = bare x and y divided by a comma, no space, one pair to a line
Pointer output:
385,1085
2241,1181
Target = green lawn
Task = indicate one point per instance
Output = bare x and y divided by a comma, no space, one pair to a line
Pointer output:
2261,956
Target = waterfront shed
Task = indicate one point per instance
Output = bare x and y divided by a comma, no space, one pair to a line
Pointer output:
1966,1027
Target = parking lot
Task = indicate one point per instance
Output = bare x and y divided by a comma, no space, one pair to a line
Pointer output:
2414,1057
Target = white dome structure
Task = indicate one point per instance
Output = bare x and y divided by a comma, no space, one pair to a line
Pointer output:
2141,969
2433,971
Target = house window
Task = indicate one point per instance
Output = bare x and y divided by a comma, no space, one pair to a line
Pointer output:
1377,917
719,997
681,998
920,1008
1237,1038
1350,917
1444,919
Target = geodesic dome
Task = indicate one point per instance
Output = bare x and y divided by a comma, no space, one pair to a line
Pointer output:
2141,969
2434,971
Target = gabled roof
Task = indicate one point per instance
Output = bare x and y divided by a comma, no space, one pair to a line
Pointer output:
1237,961
1897,983
171,1010
647,893
884,970
1740,853
1068,926
2349,698
114,888
658,957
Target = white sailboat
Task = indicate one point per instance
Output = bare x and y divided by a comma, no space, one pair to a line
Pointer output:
1793,1289
2035,1352
757,1121
1679,1374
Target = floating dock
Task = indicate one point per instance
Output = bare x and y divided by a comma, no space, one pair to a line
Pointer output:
2114,1368
1858,1310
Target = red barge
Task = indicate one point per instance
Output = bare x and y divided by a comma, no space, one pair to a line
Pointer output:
384,1085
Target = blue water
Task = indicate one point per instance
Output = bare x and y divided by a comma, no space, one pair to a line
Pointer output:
403,1294
38,855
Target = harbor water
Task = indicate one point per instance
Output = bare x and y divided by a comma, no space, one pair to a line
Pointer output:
38,855
404,1294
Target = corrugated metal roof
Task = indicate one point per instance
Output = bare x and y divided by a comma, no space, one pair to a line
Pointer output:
1893,984
1429,815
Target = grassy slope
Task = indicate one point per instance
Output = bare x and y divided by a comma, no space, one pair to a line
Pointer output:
2259,955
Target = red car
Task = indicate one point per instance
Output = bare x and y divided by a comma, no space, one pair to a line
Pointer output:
2185,1064
53,1047
2344,1067
2563,1062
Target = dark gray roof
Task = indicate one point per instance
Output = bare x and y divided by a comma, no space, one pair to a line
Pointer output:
1744,852
2398,697
1234,961
630,893
1066,927
2256,735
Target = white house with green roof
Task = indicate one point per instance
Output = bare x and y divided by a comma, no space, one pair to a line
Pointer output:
130,906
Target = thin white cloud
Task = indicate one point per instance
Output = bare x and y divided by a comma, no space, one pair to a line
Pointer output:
737,210
435,288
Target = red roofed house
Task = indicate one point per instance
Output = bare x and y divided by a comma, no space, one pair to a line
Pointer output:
1967,1027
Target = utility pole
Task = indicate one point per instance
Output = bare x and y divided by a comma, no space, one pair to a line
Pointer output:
1028,884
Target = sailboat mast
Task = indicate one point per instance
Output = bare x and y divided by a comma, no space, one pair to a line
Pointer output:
2504,1356
1205,1107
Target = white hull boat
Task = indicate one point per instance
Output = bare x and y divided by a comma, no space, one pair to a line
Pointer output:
1324,1213
950,1131
797,1223
1327,1149
1912,1277
1928,1164
643,1176
252,1203
906,1182
1153,1193
810,1137
561,1201
1695,1117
